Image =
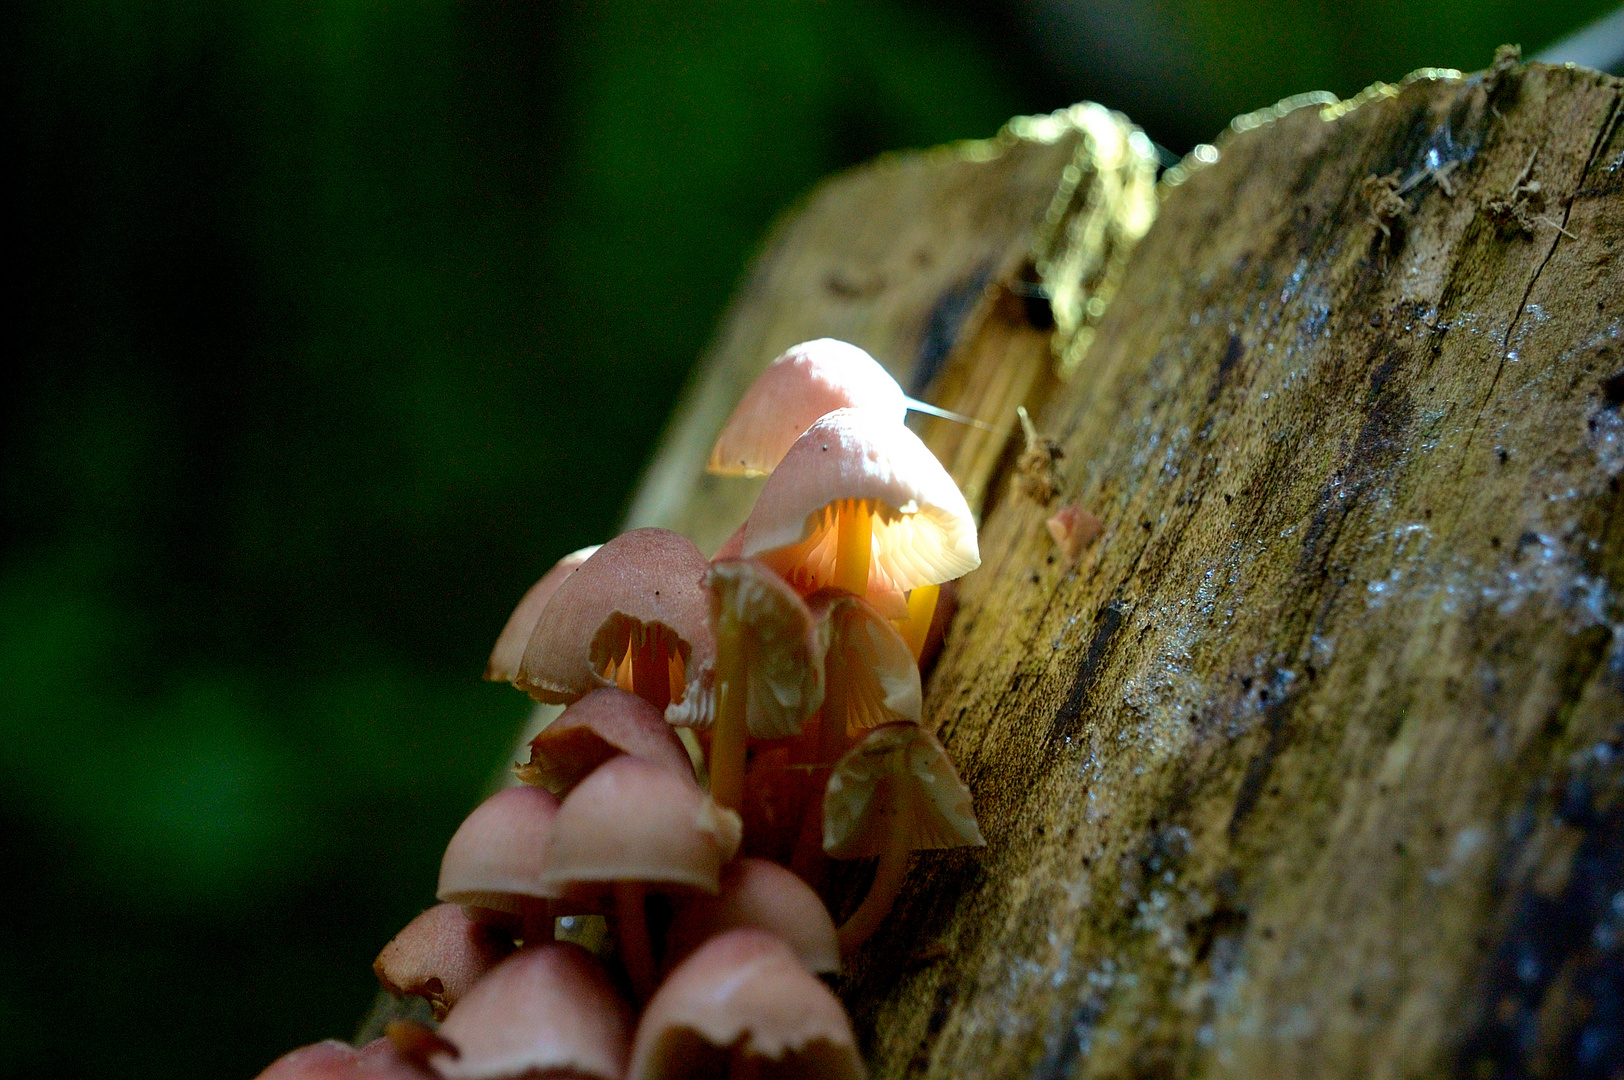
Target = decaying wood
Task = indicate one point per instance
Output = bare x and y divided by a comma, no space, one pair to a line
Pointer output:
1311,765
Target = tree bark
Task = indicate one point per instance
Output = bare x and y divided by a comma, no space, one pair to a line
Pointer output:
1311,765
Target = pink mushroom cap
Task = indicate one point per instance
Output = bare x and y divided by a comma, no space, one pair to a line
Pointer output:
549,1011
593,730
439,956
808,381
630,821
744,997
764,895
651,579
333,1060
923,531
503,666
494,860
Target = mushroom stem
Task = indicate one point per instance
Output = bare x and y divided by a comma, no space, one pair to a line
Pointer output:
888,878
631,933
651,668
809,862
730,732
854,545
921,609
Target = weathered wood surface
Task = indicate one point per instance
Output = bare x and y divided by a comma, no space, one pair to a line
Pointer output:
1312,765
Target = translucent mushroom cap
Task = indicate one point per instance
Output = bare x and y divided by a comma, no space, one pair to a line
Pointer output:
783,651
806,382
761,894
923,533
495,858
503,666
547,1010
439,957
744,995
896,786
593,730
633,821
872,676
651,579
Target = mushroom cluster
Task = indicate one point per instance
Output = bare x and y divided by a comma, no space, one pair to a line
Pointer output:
649,902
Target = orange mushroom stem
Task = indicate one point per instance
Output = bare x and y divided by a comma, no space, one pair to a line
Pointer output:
915,629
854,546
731,734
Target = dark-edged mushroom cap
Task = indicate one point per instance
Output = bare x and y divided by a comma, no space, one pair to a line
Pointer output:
806,382
503,666
438,956
593,730
640,597
548,1010
744,1005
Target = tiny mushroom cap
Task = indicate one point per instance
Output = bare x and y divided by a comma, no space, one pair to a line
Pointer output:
756,612
641,596
897,787
547,1010
439,956
503,666
333,1060
495,859
923,531
873,678
593,730
630,821
764,895
744,1000
805,383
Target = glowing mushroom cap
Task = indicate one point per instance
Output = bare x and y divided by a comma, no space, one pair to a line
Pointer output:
593,730
644,581
873,678
495,858
923,530
896,786
439,956
783,652
547,1010
503,666
636,822
744,995
805,383
764,895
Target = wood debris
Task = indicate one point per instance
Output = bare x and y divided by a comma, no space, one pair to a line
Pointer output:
1037,471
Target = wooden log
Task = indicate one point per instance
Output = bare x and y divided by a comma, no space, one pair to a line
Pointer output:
1311,765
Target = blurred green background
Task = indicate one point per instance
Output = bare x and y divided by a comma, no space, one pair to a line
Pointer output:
340,320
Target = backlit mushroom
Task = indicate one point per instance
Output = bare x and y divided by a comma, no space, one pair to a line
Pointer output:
806,382
769,670
595,729
860,504
503,666
870,674
548,1010
631,826
632,615
439,956
764,895
743,1006
893,793
492,867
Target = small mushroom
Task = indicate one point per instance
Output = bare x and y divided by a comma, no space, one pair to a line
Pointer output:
744,1006
439,955
630,826
333,1060
632,615
1073,529
493,865
769,670
595,729
893,793
870,671
764,895
548,1010
861,504
503,666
